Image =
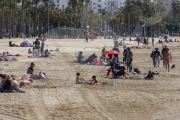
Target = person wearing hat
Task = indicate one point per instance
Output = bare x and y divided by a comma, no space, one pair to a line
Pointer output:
30,70
79,80
163,51
156,57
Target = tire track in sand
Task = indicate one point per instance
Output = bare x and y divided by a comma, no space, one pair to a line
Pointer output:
93,101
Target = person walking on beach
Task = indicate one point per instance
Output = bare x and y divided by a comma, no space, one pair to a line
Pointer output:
86,39
153,41
125,55
152,56
167,58
156,57
163,51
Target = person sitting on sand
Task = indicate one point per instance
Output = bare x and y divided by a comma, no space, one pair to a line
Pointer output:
47,53
116,63
12,44
150,75
30,70
8,86
101,62
29,51
26,83
95,61
167,58
79,80
120,72
94,81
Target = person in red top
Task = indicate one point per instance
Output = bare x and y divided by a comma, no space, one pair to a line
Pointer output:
110,56
86,39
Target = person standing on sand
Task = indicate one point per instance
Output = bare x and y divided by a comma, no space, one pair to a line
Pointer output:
163,51
116,55
129,61
125,55
86,39
167,58
153,41
42,46
103,55
156,57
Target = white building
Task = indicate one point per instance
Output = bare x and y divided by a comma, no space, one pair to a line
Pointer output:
108,5
61,4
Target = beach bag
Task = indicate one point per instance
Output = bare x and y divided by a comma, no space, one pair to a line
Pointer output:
137,70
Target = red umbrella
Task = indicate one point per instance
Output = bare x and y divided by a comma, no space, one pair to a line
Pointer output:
111,52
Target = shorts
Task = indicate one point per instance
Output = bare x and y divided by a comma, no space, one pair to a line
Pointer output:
166,61
157,59
125,58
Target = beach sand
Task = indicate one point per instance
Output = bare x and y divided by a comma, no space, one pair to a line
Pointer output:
59,98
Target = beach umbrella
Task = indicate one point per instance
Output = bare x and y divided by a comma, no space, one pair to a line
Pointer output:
111,52
25,43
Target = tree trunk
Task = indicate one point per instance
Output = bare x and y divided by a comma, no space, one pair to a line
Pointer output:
22,16
10,21
2,21
29,22
1,28
82,22
74,16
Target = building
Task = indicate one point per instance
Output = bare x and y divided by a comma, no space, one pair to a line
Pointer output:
61,4
168,6
108,5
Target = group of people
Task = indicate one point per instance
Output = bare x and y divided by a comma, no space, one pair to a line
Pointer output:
38,50
165,56
6,57
9,84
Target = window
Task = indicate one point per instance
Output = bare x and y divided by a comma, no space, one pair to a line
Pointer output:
108,3
105,7
99,10
123,3
63,8
166,4
94,3
120,3
57,1
94,8
108,7
57,5
99,0
99,5
105,3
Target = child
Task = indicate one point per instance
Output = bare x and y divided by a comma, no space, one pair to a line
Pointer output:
94,81
29,51
25,83
79,80
150,75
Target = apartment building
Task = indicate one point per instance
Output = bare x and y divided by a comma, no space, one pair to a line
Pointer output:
108,5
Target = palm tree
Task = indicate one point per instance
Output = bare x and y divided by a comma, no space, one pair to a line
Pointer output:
28,5
2,5
69,14
74,4
35,20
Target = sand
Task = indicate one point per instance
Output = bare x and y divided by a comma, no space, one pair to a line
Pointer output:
59,98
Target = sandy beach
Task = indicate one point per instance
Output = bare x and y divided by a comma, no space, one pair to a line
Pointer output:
59,98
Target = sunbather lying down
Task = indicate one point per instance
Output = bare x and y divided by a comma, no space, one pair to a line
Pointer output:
7,59
12,44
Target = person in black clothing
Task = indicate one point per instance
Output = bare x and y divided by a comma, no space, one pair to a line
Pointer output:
37,44
30,70
120,72
150,75
156,57
8,85
162,53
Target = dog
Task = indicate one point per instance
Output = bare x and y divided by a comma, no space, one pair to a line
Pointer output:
173,66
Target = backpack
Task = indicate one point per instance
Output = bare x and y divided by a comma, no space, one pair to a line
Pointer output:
137,70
